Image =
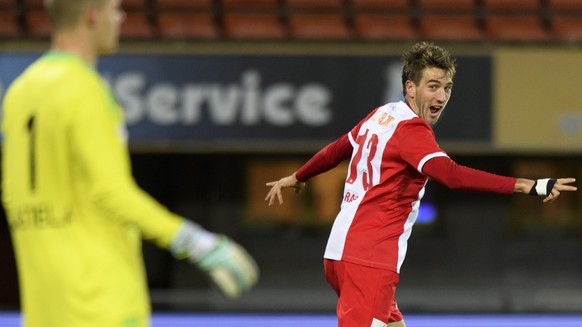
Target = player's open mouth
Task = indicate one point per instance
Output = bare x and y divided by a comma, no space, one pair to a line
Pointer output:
435,109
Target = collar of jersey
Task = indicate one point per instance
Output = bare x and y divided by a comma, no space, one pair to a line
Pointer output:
61,55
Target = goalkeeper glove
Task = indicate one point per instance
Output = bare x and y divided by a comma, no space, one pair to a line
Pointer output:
227,264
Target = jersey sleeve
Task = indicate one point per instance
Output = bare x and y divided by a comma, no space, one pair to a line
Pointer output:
332,154
417,143
458,177
100,152
326,159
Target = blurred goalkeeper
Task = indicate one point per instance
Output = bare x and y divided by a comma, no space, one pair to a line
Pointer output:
392,154
77,217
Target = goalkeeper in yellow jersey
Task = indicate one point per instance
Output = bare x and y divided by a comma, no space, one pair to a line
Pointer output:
76,216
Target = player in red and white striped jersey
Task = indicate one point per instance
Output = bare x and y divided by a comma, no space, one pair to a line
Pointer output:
392,154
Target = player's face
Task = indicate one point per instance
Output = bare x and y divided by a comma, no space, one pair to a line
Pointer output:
429,98
109,20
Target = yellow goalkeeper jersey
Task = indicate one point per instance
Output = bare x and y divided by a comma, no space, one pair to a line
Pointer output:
76,215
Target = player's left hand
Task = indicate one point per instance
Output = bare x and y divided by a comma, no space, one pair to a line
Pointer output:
549,188
561,185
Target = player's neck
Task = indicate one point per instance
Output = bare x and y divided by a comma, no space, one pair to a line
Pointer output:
77,43
412,105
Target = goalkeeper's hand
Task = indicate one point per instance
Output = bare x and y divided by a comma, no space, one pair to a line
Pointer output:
228,265
231,268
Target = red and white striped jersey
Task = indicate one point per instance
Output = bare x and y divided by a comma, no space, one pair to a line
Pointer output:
383,187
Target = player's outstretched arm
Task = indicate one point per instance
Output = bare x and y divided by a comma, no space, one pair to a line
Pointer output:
228,264
277,186
548,187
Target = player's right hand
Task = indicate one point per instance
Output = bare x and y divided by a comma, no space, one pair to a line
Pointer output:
230,267
277,186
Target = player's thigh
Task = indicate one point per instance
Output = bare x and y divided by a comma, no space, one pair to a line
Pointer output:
395,315
396,324
366,295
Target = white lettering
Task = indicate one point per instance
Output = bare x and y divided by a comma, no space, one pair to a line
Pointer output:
128,88
192,101
312,102
246,103
162,100
276,112
223,103
393,80
251,113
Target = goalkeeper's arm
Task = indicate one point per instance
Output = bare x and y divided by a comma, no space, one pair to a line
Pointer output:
227,264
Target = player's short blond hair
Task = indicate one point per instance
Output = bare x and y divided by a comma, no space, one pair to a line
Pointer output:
425,55
66,13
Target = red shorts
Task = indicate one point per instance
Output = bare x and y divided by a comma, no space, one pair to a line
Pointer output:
366,295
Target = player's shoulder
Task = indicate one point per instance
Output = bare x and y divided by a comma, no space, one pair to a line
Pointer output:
65,69
407,118
390,114
401,112
415,123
